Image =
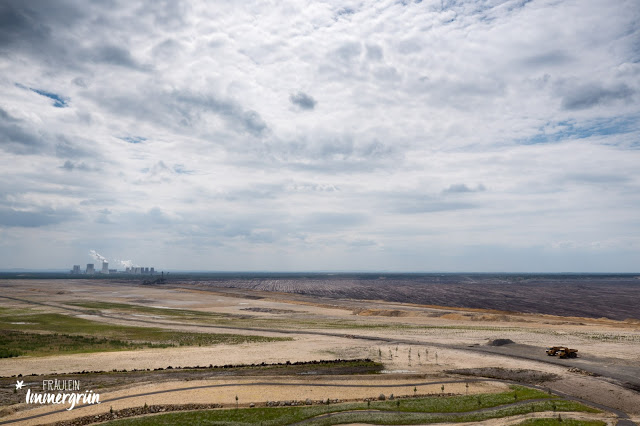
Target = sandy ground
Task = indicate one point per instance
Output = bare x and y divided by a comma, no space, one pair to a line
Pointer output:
431,331
250,390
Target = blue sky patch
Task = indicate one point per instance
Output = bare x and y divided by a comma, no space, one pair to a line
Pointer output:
570,130
133,139
58,101
180,169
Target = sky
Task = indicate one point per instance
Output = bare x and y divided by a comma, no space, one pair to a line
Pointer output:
448,135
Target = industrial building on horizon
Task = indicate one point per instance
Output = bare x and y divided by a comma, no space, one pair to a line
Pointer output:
133,270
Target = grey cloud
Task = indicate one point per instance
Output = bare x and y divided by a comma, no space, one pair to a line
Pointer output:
72,149
551,58
168,49
80,82
115,55
589,95
37,28
597,178
49,31
345,11
15,138
388,73
184,109
168,14
332,221
70,166
459,93
374,52
413,203
348,51
303,100
156,215
155,218
362,243
462,188
157,173
32,219
342,153
409,46
247,120
427,205
253,123
21,23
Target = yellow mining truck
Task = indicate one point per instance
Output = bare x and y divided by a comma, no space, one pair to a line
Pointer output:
553,351
562,352
568,353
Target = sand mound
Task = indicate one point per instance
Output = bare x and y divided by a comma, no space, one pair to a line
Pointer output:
500,342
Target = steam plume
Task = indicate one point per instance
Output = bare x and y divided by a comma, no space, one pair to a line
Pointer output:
97,256
125,263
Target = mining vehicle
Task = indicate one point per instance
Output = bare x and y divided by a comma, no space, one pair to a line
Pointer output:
552,351
562,352
568,353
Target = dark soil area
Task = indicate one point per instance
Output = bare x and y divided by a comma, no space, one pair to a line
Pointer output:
516,375
269,310
591,296
500,342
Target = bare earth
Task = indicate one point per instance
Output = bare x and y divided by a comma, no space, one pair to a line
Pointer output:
607,371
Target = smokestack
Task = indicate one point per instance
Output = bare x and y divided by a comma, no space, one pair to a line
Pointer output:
105,267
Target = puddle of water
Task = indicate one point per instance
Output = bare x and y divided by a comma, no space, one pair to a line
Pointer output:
397,371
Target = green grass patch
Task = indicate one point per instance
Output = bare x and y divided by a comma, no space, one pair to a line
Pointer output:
16,343
51,333
408,411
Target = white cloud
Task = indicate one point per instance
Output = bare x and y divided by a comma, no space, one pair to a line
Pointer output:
390,135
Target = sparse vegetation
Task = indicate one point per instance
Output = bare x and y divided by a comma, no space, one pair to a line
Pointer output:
32,332
17,343
410,411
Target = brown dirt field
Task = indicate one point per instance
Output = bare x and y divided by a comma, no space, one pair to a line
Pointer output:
459,338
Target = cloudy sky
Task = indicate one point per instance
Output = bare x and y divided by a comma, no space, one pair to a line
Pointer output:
442,135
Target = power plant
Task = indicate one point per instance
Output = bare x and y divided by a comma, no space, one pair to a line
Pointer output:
90,269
